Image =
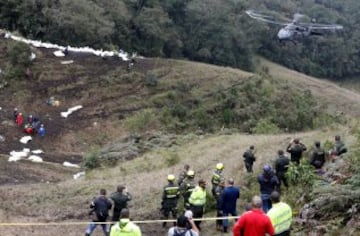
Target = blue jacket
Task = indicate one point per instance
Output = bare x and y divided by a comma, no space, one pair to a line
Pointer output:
268,182
229,198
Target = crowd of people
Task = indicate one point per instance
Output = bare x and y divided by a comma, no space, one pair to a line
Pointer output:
266,214
31,125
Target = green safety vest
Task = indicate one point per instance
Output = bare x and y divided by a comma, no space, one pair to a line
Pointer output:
281,216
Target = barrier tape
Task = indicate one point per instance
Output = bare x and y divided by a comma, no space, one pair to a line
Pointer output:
109,222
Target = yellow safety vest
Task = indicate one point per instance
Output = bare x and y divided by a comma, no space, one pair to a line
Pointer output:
198,197
281,216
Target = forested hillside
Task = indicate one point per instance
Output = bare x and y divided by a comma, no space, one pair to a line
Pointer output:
212,31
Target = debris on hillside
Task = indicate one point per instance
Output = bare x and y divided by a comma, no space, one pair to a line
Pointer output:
2,138
35,158
68,164
78,175
60,53
37,151
52,102
18,155
66,62
25,139
65,114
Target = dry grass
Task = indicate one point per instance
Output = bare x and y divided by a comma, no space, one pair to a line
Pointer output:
146,175
337,99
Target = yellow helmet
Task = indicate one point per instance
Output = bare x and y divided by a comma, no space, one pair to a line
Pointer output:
219,166
171,177
190,173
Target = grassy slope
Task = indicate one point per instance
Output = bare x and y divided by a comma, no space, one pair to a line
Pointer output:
68,200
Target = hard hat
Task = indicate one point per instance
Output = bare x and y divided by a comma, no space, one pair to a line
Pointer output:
219,166
190,173
171,177
267,168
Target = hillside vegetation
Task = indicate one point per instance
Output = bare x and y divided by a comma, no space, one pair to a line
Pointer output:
139,125
211,31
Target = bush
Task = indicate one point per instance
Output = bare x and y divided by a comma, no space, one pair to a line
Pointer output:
265,126
172,159
140,120
19,54
151,80
91,160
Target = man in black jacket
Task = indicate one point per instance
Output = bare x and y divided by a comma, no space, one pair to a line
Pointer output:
281,167
317,158
296,149
120,199
249,159
100,212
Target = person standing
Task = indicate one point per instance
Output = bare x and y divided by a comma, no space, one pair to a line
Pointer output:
181,228
41,131
19,119
281,167
253,222
268,183
217,177
170,198
280,215
120,199
100,212
317,158
197,201
124,227
187,186
296,149
249,158
219,213
228,202
339,146
182,175
15,114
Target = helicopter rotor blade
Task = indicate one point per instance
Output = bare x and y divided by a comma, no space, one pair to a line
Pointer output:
264,18
322,26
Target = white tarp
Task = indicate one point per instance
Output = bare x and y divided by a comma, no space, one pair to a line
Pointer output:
78,175
25,139
59,53
18,155
65,114
35,158
37,151
123,55
68,164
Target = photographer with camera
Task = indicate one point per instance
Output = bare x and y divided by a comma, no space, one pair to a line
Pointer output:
181,227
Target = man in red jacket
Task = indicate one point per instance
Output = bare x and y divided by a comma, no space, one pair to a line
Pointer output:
254,222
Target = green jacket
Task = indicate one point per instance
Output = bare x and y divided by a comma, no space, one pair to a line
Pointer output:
125,228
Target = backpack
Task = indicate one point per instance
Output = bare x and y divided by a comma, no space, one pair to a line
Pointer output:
176,233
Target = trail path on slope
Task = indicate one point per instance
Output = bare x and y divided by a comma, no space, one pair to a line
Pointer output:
337,99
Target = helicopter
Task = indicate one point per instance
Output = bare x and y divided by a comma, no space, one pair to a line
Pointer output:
294,30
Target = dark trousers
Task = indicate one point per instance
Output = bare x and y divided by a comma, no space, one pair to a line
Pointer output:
249,167
198,212
282,178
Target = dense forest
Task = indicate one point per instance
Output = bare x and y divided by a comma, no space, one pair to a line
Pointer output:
212,31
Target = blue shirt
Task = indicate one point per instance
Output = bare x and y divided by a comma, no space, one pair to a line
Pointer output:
229,198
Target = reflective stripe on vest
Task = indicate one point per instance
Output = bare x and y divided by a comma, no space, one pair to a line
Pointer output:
171,192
